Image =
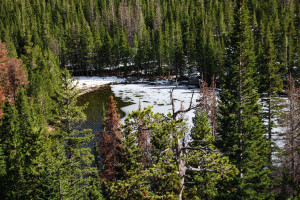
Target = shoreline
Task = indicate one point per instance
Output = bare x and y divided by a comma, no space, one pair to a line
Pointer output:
88,84
83,91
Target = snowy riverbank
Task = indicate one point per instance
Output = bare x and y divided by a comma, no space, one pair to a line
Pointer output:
87,84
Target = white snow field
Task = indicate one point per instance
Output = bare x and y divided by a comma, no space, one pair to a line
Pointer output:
157,96
87,84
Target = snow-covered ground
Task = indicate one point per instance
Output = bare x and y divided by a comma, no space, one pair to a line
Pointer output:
88,83
157,96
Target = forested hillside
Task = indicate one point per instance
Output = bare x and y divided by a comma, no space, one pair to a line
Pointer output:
159,37
247,48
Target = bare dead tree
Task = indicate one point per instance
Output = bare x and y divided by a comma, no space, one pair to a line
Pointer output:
176,113
123,9
112,10
291,122
92,11
157,21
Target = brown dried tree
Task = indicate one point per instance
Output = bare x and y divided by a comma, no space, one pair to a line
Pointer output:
208,102
110,142
12,76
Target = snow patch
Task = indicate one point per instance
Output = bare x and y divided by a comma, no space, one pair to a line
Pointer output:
94,81
157,96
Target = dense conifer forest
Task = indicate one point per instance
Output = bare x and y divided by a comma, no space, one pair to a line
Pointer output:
249,49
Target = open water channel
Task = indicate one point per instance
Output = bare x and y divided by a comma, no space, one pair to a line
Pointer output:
95,101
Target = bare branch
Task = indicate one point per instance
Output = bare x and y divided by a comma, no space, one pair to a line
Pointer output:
181,111
190,183
164,150
200,170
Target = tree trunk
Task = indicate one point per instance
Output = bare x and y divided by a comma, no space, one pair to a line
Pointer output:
181,168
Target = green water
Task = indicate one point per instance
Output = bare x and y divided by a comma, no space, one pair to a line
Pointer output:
94,111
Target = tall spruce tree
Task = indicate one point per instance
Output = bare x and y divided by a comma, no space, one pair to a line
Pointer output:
270,85
79,178
202,184
240,127
23,139
132,182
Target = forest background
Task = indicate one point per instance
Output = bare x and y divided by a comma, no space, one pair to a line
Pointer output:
250,47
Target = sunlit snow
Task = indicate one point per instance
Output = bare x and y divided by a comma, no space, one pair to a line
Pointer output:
94,81
157,96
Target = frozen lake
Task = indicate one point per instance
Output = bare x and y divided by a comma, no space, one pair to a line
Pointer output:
129,96
157,96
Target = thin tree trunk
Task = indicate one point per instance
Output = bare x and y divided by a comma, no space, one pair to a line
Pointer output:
60,193
292,133
269,129
181,169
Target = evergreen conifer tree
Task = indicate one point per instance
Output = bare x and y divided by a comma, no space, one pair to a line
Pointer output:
240,128
271,84
202,184
132,182
79,177
23,139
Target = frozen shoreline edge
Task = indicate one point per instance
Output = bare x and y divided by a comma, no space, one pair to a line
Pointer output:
91,89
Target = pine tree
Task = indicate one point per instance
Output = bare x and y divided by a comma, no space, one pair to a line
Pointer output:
132,182
159,170
215,168
87,48
107,49
240,128
179,60
270,85
10,142
43,73
98,45
79,177
23,140
159,50
124,52
2,161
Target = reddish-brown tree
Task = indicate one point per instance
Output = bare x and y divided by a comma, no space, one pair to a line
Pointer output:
208,101
12,75
110,142
3,63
